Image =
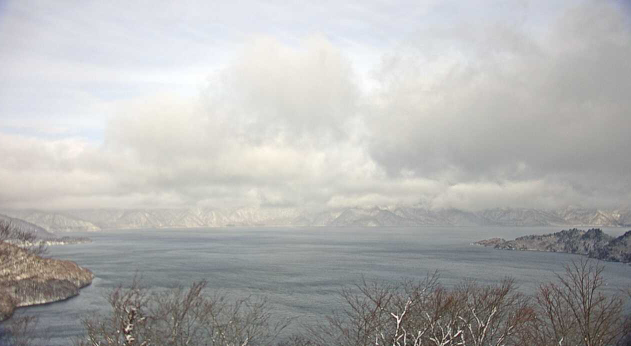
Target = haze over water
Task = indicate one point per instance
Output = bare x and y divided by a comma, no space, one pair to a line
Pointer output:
300,270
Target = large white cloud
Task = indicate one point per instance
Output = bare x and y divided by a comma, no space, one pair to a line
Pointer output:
468,116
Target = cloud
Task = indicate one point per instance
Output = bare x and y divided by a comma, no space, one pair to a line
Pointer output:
275,126
500,104
38,172
525,194
470,114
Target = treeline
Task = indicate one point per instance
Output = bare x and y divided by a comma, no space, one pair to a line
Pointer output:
573,310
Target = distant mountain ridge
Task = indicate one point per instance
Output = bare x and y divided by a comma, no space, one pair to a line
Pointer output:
42,236
96,220
26,226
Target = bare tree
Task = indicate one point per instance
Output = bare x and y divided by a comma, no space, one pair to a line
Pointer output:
575,311
126,324
494,314
425,313
181,317
14,234
369,315
18,331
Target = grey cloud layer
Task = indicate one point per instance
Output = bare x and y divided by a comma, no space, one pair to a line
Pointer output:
552,108
468,116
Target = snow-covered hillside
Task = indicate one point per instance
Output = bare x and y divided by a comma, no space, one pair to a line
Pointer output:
94,220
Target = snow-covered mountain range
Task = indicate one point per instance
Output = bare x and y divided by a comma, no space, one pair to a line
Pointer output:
95,220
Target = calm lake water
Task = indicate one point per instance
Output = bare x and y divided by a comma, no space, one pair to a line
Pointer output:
299,270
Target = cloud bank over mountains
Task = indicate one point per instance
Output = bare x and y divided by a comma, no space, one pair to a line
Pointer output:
461,114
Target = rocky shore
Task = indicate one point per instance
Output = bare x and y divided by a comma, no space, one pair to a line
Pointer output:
593,243
27,279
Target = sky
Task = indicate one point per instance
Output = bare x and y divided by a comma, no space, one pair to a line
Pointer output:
325,104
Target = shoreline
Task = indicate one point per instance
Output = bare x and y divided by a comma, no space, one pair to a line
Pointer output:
29,280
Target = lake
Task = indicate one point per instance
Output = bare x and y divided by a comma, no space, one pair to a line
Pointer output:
299,270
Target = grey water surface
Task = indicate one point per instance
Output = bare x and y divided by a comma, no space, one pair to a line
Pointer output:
299,270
